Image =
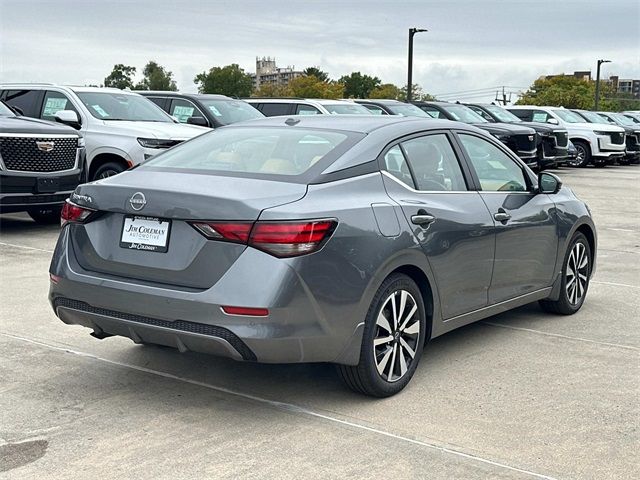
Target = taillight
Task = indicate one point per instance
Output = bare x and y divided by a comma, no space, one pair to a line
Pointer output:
230,231
290,239
246,311
74,213
281,239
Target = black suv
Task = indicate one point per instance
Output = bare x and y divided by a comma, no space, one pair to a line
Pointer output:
41,164
390,107
553,142
522,140
201,109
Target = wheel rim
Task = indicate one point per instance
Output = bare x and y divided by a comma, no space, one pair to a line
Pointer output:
397,335
577,275
581,155
107,174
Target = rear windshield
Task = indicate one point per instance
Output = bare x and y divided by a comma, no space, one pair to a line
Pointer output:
256,151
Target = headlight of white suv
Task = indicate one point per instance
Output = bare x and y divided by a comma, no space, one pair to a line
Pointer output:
600,132
156,142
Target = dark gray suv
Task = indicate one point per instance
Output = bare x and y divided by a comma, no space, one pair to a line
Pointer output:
344,239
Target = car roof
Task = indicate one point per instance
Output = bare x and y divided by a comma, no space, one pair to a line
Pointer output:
356,123
166,93
74,88
381,101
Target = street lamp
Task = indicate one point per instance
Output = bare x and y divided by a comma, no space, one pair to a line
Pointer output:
412,32
600,62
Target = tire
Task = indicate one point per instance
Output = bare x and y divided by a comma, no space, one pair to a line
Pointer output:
584,155
46,216
107,170
393,356
570,299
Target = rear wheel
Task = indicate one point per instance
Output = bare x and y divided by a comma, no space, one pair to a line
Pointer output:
107,170
584,155
576,272
46,216
392,342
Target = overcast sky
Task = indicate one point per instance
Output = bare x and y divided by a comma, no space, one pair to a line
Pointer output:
471,44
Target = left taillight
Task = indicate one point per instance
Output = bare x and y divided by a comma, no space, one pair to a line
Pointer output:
72,213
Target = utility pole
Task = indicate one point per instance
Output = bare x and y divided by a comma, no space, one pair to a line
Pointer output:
600,62
412,32
503,100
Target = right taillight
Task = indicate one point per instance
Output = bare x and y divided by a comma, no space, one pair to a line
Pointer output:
281,239
74,213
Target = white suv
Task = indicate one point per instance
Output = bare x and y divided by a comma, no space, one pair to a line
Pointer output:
596,143
272,107
120,128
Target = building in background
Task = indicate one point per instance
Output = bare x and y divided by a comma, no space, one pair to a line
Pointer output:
625,85
268,73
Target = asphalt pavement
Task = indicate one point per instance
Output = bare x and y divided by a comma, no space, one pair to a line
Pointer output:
522,395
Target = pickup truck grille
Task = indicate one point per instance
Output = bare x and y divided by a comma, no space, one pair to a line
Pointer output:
617,138
38,154
562,138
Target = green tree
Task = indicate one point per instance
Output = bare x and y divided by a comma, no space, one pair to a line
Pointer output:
120,77
357,85
272,90
417,94
386,90
156,78
229,80
562,91
311,87
316,72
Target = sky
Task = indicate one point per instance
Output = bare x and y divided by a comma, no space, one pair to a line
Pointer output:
471,44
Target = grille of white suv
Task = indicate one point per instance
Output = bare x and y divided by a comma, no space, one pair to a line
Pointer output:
38,154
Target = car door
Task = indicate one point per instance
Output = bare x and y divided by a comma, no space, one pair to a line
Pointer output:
425,177
525,221
55,102
183,110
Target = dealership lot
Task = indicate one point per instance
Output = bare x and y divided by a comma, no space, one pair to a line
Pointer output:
521,395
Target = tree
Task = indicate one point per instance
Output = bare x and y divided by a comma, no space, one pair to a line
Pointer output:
272,90
229,80
357,85
120,77
565,91
416,94
156,78
316,72
386,90
311,87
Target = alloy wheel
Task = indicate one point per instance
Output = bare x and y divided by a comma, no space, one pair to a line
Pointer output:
581,155
577,273
397,335
107,174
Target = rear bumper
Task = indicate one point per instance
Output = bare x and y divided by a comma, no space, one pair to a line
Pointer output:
294,331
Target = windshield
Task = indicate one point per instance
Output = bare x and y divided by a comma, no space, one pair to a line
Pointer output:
5,111
464,114
253,150
623,120
408,111
231,111
346,109
502,114
594,117
570,117
122,106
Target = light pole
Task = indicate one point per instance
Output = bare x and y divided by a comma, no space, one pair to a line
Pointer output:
412,32
600,62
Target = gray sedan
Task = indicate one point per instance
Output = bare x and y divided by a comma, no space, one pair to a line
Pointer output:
351,240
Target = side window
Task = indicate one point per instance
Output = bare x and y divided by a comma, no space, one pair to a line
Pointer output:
481,112
275,109
496,171
26,100
160,101
434,163
433,112
306,110
524,115
53,103
183,110
375,110
396,165
540,116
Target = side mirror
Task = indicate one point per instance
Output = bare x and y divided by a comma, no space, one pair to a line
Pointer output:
552,121
68,117
548,183
199,121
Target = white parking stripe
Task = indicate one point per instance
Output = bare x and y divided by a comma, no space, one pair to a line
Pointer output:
284,406
568,337
615,284
25,247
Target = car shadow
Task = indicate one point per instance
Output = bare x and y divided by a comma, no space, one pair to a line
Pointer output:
21,223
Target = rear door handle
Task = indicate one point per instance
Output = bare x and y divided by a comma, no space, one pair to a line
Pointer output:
422,219
502,216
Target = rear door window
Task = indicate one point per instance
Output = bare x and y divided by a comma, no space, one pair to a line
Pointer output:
53,103
183,110
162,102
306,110
374,109
28,101
275,109
526,115
396,164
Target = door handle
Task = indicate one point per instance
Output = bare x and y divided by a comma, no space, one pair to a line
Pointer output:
502,216
422,219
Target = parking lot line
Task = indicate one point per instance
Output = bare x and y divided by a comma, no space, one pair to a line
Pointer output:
25,247
283,406
615,284
568,337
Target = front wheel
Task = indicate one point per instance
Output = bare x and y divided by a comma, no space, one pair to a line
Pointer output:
393,339
108,170
576,273
583,157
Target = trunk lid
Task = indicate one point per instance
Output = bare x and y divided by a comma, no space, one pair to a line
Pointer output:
190,260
